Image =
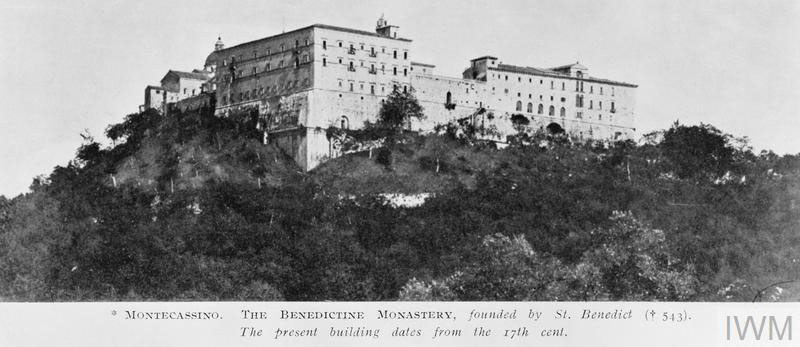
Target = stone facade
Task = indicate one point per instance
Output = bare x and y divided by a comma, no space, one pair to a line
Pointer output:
304,81
176,86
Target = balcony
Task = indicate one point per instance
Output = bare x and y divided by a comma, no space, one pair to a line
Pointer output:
352,50
373,71
351,68
373,54
450,106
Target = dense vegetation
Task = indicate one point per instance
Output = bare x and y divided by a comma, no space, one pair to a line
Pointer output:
194,207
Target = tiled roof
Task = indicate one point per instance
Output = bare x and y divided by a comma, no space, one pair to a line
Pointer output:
321,26
564,67
190,75
484,57
422,64
551,73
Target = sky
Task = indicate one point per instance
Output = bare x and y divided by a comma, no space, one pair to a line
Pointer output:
77,66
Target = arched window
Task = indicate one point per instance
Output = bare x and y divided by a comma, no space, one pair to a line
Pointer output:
551,111
448,99
563,112
345,123
519,105
530,107
541,109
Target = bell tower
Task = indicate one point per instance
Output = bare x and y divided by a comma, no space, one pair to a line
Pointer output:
384,29
219,45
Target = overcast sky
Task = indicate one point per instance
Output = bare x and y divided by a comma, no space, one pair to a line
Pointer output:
70,67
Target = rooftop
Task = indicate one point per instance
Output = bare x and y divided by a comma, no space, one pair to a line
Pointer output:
190,75
551,73
319,26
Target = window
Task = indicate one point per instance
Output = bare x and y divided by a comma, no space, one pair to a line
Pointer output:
296,43
448,99
280,64
591,104
255,54
541,109
395,70
563,86
551,111
282,47
405,89
600,105
405,72
269,51
613,107
405,55
530,107
324,44
563,112
351,87
254,70
372,89
601,90
324,62
591,89
340,43
551,84
519,105
268,67
184,90
345,123
599,117
395,54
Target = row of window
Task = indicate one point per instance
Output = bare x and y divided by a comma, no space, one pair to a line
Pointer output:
372,52
372,69
267,68
267,52
262,91
550,112
371,87
578,84
579,103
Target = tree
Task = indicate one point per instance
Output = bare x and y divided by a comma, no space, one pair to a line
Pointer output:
697,151
399,109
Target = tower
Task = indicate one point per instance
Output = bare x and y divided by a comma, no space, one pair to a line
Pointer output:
219,45
384,29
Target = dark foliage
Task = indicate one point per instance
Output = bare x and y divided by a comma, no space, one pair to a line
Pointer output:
194,207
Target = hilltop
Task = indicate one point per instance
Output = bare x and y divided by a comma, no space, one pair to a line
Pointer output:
196,207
